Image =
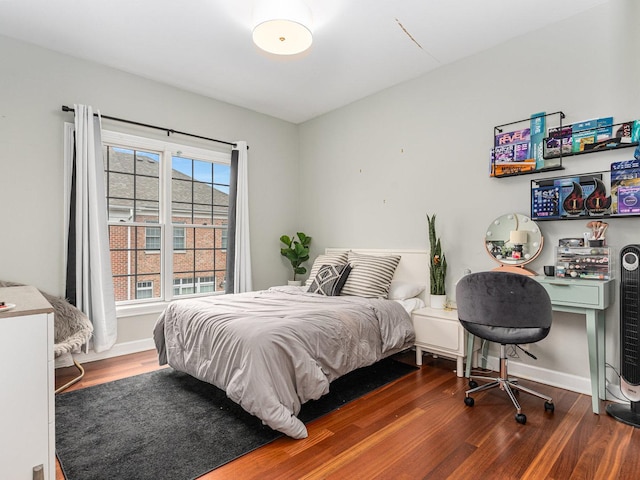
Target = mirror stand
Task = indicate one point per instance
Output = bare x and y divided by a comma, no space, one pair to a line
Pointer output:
515,269
514,240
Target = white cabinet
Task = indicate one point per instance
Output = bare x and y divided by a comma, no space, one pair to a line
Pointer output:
440,332
27,433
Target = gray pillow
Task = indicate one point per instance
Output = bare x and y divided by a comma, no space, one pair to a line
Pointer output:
330,280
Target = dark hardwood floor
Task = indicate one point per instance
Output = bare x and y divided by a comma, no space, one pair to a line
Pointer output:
418,427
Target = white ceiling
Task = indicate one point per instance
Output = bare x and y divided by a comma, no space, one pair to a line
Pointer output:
360,46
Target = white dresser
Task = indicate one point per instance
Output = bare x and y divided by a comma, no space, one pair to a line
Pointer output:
27,433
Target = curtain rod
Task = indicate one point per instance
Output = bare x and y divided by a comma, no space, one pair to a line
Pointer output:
168,130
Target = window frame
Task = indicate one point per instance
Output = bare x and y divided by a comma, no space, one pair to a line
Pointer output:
166,150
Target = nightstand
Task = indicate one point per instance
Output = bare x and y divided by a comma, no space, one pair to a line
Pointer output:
439,331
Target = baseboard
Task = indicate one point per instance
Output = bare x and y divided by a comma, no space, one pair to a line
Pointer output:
117,350
553,378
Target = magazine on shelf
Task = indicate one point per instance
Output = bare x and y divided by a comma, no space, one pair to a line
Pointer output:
559,139
635,131
504,153
610,135
521,152
512,138
625,179
545,202
520,140
574,192
583,133
628,199
624,132
537,138
570,188
604,129
511,168
624,165
512,153
598,202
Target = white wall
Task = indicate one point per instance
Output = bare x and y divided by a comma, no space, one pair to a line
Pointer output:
375,168
368,172
35,83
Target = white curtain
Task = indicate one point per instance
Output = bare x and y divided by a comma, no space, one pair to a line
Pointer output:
89,280
242,269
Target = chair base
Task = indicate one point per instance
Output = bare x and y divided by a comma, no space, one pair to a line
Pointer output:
508,385
73,381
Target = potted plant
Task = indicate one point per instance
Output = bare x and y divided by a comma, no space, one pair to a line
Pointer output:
437,267
297,252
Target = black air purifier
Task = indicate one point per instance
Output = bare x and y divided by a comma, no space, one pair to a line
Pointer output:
629,337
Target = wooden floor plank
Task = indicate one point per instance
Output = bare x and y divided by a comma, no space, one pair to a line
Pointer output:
418,427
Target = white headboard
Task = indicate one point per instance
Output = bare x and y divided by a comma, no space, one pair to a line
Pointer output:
413,266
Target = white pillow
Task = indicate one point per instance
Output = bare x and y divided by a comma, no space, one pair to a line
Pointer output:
400,290
411,304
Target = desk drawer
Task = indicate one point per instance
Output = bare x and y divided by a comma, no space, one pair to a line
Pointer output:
576,295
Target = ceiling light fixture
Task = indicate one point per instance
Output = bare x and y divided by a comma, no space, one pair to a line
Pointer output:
282,27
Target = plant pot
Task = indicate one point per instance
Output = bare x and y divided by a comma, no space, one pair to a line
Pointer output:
295,283
438,301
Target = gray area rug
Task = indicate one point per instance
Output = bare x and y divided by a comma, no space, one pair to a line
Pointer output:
168,425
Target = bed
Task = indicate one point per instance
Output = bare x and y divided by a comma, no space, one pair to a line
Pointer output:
275,349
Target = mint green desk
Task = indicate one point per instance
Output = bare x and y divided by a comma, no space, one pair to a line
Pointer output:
586,297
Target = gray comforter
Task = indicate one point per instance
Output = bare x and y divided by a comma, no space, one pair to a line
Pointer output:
275,349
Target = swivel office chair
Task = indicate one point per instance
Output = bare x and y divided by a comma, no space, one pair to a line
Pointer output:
509,309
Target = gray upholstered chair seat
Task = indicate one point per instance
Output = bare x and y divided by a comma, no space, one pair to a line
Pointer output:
507,335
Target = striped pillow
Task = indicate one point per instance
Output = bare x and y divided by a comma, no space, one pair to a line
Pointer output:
370,275
339,258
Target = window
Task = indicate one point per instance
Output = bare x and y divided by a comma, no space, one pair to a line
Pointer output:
152,238
185,286
178,238
184,193
224,235
144,290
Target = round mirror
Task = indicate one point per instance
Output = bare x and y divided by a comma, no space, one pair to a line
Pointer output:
513,240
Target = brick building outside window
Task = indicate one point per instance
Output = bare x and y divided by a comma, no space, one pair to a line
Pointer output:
167,213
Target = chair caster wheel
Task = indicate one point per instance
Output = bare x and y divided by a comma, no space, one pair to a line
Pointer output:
468,401
549,407
521,418
473,384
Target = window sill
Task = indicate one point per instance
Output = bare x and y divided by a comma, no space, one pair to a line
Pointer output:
151,308
124,311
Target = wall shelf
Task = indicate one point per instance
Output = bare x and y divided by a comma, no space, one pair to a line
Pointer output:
591,193
520,151
531,172
615,136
